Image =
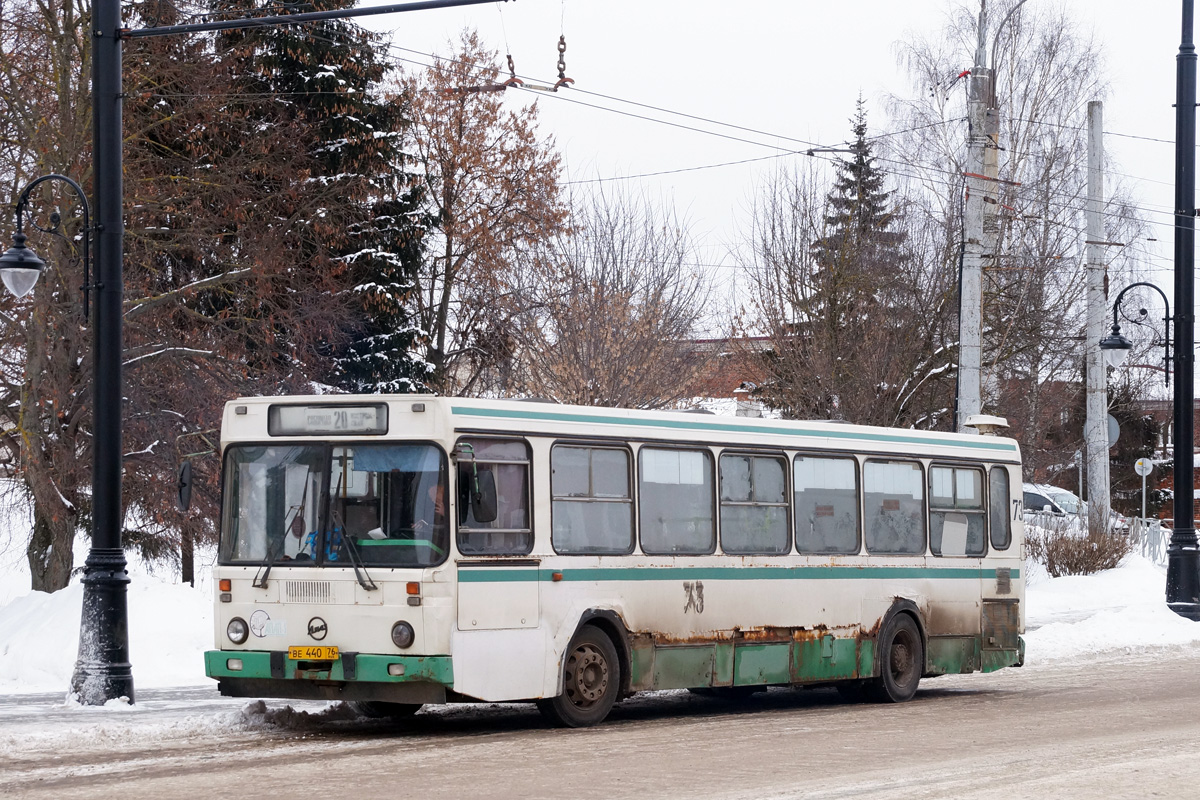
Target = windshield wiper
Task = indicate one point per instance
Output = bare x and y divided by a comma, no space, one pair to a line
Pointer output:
265,567
367,584
270,560
364,580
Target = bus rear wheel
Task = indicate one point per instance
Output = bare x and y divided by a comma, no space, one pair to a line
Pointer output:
377,709
591,681
901,661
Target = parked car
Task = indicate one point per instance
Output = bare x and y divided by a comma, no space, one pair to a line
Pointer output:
1041,499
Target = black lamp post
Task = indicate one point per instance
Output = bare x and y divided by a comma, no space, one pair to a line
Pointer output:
103,672
1183,554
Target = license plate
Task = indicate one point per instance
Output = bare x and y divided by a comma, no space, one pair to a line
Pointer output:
322,653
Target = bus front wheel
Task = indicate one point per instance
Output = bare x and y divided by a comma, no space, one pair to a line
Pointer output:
901,661
591,681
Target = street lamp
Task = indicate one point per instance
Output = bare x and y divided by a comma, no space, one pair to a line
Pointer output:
102,671
1115,347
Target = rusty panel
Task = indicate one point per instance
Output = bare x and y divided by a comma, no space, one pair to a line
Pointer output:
824,658
641,663
683,667
951,655
1001,624
723,664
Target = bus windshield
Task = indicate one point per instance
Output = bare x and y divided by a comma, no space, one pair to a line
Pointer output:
387,505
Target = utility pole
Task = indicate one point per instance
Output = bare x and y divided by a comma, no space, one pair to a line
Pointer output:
970,315
1096,427
980,217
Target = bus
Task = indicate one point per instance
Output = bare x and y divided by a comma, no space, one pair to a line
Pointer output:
394,551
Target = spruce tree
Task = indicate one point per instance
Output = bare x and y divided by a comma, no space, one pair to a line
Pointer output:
325,80
840,351
861,248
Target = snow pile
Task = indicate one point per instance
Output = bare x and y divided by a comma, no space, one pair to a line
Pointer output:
170,625
1122,610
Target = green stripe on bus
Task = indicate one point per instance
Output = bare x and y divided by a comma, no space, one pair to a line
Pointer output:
978,442
499,574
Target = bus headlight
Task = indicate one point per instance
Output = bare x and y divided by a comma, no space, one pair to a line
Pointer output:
237,630
403,635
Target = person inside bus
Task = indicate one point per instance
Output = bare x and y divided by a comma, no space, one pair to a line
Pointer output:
430,511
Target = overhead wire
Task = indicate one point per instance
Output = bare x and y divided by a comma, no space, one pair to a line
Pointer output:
948,182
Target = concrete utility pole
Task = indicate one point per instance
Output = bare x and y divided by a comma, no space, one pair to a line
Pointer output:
1095,429
980,218
970,313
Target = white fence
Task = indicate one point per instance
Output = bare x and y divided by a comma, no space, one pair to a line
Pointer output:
1151,538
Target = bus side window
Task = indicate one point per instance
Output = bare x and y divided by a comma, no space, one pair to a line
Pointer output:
675,501
894,507
826,504
754,505
510,532
591,502
956,511
998,500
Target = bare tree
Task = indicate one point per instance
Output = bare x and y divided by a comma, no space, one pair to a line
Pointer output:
618,306
491,188
845,285
1046,70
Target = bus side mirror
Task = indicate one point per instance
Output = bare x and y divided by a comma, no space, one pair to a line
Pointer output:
483,496
184,486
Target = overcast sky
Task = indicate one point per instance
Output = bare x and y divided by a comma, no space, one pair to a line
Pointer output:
786,69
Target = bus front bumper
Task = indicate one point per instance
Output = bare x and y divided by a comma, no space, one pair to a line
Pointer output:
270,673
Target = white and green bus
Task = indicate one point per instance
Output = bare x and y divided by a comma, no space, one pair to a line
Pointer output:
396,551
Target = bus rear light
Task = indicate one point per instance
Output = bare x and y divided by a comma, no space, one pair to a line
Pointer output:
226,597
395,670
225,585
234,664
413,587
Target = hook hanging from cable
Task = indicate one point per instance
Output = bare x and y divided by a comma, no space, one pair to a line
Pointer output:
563,80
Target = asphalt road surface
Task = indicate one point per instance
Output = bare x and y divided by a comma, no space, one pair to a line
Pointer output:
1112,727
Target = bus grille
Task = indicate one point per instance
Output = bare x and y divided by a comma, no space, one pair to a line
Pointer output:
307,592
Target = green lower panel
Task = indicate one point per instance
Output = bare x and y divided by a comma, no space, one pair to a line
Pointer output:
641,664
866,658
683,667
825,659
368,667
953,655
999,659
723,664
758,664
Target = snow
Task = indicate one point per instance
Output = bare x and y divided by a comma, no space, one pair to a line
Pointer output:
171,624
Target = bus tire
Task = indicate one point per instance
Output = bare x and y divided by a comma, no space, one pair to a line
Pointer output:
591,681
901,661
377,709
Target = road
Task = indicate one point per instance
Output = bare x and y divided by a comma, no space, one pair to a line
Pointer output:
1112,727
